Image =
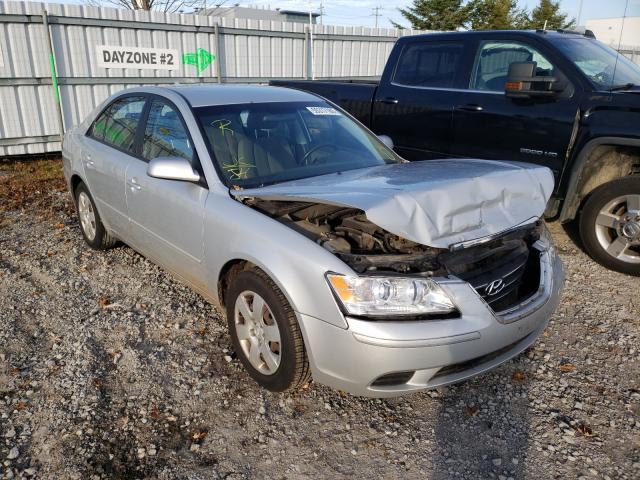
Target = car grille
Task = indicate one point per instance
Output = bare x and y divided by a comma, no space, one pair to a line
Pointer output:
504,274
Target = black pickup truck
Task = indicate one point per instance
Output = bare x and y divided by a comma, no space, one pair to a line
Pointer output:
559,99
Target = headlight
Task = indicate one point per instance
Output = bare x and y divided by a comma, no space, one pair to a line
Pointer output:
380,296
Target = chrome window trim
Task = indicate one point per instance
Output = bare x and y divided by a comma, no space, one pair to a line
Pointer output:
446,89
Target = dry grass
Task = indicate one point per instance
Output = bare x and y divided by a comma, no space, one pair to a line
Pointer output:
34,185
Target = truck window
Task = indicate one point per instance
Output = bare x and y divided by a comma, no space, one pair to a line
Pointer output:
492,62
429,64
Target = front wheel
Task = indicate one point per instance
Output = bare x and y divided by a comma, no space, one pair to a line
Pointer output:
265,332
610,225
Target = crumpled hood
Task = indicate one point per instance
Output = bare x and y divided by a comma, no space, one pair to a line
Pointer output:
434,202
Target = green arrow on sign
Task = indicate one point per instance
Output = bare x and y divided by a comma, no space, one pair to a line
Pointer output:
201,59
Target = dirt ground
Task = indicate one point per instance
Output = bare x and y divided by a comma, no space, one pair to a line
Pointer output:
109,368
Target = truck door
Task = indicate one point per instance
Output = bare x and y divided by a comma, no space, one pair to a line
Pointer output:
414,104
487,124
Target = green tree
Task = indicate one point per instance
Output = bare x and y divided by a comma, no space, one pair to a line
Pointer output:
496,15
435,14
549,11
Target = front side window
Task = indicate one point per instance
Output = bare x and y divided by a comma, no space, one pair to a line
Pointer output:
604,67
491,66
117,125
165,134
429,64
263,143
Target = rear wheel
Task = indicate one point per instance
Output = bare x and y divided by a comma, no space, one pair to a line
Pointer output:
265,332
93,230
610,225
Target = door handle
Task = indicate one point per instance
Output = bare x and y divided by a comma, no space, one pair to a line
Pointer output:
471,107
388,100
133,183
87,161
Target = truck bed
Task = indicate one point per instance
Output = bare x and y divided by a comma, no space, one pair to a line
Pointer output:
355,96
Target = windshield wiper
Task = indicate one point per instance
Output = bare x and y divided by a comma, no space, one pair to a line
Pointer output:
624,86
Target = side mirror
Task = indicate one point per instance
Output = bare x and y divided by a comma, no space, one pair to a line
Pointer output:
386,139
172,168
522,82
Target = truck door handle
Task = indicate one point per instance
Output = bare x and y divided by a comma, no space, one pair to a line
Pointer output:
133,183
470,107
388,100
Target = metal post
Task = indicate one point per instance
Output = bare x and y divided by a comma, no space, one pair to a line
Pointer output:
216,31
311,45
54,74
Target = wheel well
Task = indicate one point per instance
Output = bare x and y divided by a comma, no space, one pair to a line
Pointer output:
603,164
75,181
230,269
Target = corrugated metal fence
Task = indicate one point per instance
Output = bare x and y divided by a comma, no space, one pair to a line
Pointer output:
631,52
245,51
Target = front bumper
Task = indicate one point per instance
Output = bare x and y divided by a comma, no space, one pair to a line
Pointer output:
439,352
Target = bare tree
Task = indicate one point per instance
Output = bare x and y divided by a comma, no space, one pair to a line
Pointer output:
167,6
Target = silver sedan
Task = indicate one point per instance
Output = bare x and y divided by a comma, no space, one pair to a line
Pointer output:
332,257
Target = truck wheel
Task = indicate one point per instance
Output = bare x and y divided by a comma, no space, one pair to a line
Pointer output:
610,225
265,332
93,230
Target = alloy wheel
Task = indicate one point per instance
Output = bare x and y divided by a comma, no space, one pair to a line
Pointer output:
87,216
618,228
258,332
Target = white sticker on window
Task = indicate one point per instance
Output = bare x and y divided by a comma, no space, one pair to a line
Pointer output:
323,110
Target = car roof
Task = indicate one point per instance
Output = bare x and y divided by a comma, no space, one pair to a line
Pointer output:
551,34
207,95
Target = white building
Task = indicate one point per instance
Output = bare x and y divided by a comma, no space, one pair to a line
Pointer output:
608,30
259,13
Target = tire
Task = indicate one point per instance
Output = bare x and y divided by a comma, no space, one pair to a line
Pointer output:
610,225
91,226
292,370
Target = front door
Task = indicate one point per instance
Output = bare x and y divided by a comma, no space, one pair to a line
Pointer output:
487,124
166,216
415,107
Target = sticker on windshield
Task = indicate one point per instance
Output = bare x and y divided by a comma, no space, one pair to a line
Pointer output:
323,110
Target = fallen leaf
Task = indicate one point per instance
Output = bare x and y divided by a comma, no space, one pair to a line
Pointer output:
50,253
155,412
567,367
60,225
103,302
585,430
472,411
198,435
98,382
21,406
518,377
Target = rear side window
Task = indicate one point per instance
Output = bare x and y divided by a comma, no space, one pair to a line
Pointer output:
118,123
492,64
429,64
165,134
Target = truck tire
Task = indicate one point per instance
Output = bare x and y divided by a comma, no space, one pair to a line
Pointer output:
265,332
610,225
91,226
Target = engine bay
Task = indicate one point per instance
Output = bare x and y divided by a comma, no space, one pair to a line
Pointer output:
365,247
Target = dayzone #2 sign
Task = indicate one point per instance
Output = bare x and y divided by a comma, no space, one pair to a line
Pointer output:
135,57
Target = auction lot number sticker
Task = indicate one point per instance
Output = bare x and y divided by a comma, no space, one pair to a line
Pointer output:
136,57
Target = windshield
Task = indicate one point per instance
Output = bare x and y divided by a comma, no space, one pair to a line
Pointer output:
257,144
598,62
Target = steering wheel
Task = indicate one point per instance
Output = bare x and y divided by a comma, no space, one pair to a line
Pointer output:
305,158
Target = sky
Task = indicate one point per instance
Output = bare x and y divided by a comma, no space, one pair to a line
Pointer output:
361,12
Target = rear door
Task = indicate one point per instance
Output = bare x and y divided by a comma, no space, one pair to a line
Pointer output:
414,105
106,154
487,124
166,216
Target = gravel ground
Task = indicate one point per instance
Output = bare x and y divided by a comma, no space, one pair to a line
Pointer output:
109,368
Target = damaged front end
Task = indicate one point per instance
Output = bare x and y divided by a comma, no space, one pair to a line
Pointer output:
503,269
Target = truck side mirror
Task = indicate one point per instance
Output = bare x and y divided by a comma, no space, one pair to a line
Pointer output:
522,82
